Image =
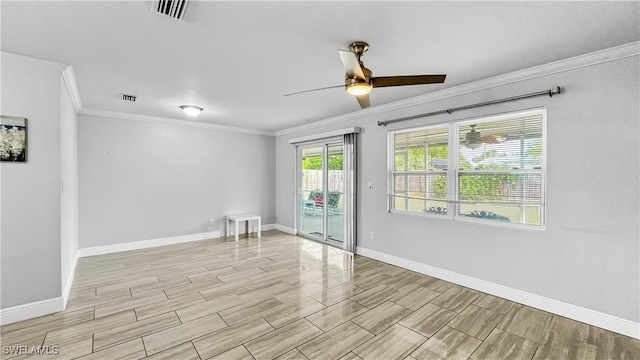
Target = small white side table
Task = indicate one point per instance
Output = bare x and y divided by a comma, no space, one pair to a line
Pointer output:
242,217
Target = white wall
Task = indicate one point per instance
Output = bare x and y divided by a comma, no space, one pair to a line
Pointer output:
143,180
69,197
31,191
588,255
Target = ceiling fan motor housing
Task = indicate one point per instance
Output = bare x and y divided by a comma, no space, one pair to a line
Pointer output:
357,86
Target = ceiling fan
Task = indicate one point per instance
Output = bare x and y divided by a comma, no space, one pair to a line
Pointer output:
359,82
473,138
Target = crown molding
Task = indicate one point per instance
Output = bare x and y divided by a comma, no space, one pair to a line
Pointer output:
168,121
572,63
69,79
576,62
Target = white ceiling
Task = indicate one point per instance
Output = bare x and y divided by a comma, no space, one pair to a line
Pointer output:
238,59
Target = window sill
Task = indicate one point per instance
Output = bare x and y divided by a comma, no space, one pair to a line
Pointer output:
471,220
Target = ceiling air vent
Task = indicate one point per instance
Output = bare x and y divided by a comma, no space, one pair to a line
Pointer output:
171,8
131,98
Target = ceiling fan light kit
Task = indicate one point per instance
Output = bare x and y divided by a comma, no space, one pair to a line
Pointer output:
191,110
358,88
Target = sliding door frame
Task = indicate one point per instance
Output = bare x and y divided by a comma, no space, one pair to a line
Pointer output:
347,138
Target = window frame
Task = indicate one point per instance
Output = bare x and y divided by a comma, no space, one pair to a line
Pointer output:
392,172
453,169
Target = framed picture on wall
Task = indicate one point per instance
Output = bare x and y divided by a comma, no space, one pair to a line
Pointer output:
13,139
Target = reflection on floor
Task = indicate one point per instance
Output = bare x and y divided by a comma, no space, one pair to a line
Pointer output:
289,298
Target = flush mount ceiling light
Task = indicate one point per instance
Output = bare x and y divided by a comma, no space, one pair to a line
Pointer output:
191,110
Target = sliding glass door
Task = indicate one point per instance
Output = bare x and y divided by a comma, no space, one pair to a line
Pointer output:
322,191
325,205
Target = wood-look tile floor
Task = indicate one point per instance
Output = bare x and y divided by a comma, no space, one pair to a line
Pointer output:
284,297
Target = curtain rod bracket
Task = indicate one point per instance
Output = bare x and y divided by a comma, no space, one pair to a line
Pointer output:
449,111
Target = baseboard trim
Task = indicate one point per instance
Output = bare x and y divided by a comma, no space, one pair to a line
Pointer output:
144,244
285,229
72,274
31,310
592,317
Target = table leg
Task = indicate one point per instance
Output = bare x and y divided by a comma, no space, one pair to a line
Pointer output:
259,228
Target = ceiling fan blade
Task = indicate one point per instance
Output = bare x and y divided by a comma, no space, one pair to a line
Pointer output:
363,100
351,64
384,81
306,91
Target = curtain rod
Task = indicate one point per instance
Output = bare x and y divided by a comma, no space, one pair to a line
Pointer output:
555,90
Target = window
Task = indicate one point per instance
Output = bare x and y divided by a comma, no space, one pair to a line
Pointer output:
488,170
421,160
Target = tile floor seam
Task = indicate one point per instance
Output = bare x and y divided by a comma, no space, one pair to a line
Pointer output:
144,347
248,351
141,336
534,353
300,351
178,316
44,338
424,336
315,337
200,294
223,320
373,307
451,327
470,357
248,340
192,344
270,324
525,339
512,333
